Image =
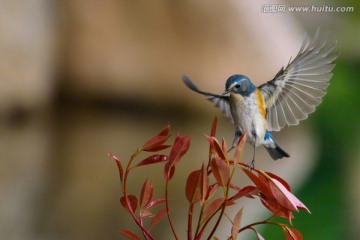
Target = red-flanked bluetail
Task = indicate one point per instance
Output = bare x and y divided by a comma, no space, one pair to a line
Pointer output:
288,98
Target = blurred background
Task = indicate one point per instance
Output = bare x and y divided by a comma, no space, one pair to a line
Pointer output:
79,79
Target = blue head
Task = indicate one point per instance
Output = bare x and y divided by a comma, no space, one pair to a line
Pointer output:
239,84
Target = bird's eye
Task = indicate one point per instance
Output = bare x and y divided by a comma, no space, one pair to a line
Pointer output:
237,86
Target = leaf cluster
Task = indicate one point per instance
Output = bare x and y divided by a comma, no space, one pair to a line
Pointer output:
211,188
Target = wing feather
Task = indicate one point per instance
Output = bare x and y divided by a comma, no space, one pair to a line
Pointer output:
219,101
298,88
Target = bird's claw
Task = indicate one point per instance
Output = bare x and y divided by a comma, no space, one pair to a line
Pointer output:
251,164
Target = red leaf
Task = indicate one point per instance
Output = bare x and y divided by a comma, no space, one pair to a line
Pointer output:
180,147
258,236
156,143
118,163
213,128
221,171
168,174
282,195
160,215
132,201
283,182
262,184
213,207
128,234
247,191
154,203
239,148
146,213
158,148
211,190
292,234
216,146
153,159
295,234
146,193
193,189
223,145
236,224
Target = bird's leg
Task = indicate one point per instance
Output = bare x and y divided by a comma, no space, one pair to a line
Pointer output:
236,139
252,163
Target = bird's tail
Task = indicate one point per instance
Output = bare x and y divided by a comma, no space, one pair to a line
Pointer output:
273,148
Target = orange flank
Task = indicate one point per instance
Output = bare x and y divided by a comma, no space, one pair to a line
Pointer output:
261,103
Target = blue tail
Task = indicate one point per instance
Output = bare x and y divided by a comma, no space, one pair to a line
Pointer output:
273,148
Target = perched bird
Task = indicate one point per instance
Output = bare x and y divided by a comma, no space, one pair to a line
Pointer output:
289,97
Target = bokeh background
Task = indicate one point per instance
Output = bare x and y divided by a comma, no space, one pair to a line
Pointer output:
79,79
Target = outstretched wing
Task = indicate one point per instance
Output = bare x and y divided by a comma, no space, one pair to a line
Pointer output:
296,90
221,102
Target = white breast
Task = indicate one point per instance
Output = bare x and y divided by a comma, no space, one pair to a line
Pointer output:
247,117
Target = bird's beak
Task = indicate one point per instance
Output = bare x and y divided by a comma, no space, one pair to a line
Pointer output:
226,92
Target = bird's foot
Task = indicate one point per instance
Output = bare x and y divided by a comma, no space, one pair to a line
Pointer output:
251,164
232,147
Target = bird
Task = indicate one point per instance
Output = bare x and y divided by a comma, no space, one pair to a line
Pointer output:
285,100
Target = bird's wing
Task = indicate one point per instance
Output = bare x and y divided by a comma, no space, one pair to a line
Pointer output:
296,90
221,102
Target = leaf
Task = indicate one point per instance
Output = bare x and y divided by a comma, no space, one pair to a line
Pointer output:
236,224
292,234
223,145
128,234
216,146
258,236
146,213
211,190
221,171
261,184
168,174
160,215
193,190
132,201
282,181
282,195
247,191
239,148
204,183
154,203
118,163
147,191
295,234
180,147
156,143
213,207
153,159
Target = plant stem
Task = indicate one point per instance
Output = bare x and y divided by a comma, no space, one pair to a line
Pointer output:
138,222
190,213
168,209
199,221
